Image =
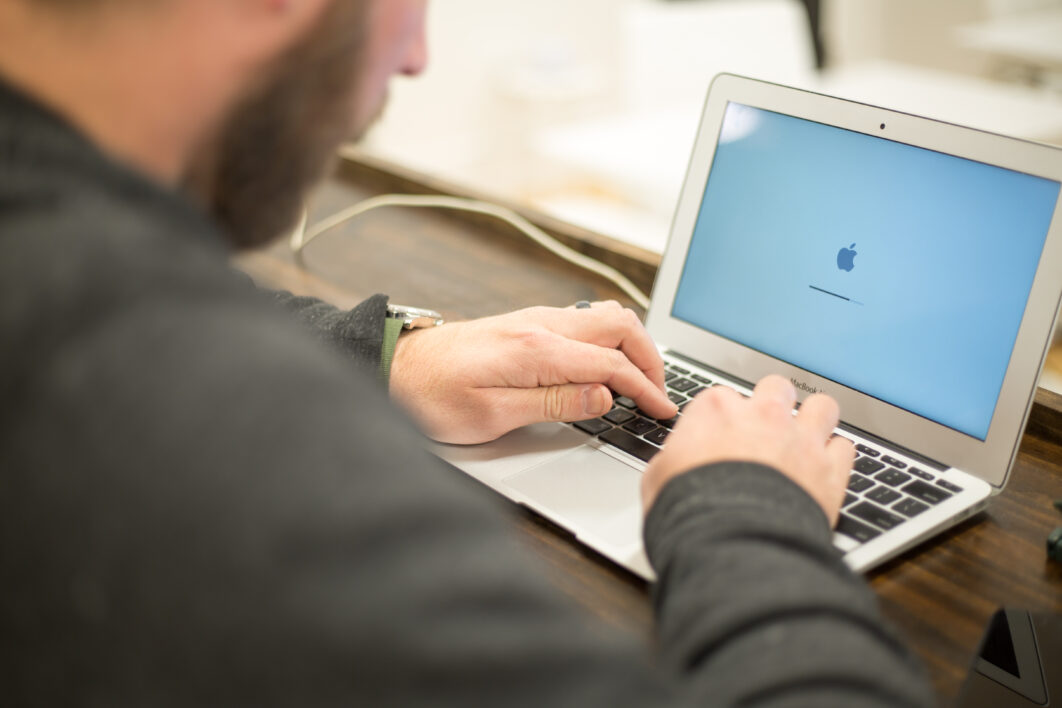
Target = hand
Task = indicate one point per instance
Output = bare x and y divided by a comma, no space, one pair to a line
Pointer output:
470,382
721,425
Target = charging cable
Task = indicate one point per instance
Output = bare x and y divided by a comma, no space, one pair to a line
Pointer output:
303,235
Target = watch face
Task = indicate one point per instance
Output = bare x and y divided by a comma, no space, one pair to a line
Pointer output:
414,317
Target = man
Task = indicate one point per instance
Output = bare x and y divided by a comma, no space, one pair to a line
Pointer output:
203,505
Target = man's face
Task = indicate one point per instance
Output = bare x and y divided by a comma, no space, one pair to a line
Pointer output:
396,45
281,138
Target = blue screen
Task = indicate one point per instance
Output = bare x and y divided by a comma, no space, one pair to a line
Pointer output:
894,270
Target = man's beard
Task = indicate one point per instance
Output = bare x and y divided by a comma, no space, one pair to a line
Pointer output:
281,139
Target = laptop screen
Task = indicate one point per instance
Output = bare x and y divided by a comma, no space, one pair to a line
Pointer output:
890,269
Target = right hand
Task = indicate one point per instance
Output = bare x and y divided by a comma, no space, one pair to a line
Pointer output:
470,382
721,425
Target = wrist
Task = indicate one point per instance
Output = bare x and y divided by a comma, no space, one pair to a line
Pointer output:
400,319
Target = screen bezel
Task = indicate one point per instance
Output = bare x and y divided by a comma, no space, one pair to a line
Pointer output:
990,459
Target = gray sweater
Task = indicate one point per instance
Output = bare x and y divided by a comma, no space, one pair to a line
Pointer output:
202,505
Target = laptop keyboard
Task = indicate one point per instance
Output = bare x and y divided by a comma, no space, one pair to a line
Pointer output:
883,491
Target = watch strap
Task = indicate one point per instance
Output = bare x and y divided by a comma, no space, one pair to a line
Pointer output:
392,328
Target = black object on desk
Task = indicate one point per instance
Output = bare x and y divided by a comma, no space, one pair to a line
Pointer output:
1019,662
1054,539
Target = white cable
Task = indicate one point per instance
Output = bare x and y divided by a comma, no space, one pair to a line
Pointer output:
302,236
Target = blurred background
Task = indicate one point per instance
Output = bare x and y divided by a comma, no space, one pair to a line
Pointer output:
586,109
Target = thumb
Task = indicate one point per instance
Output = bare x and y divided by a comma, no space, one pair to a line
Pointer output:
563,402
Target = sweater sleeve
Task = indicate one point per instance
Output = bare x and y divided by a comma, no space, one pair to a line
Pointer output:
757,608
357,333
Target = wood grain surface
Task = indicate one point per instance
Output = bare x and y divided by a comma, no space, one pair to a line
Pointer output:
939,595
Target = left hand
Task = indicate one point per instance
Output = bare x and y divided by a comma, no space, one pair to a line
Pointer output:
720,425
470,382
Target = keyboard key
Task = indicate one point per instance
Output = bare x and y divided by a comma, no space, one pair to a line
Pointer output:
921,473
657,436
949,486
883,495
630,444
693,392
875,515
855,529
928,493
618,416
892,477
677,398
682,385
668,375
640,426
669,423
593,426
625,402
703,379
894,462
849,499
859,483
910,507
678,369
867,465
869,451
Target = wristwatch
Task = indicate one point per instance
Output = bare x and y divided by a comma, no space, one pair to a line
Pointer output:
398,319
413,317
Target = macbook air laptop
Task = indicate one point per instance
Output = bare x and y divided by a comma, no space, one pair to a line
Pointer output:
910,269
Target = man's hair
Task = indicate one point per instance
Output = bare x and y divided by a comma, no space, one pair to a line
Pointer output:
78,4
86,4
73,7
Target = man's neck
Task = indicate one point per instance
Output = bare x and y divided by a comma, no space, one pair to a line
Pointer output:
124,88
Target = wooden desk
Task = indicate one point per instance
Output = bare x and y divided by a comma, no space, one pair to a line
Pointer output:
940,594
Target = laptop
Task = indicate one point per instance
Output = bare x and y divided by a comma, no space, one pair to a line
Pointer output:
909,268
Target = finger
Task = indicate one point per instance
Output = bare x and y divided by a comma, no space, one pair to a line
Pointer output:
776,390
607,325
628,334
564,402
601,303
718,397
840,454
571,361
819,413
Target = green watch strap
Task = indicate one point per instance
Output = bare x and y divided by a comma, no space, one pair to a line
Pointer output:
392,328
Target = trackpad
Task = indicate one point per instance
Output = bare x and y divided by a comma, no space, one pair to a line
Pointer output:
587,491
